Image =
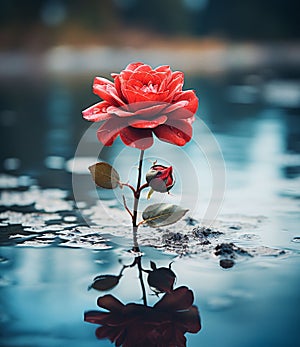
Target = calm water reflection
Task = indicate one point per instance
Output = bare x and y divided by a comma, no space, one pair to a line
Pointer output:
44,291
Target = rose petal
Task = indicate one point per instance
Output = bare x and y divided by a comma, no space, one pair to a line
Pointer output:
110,303
109,131
145,77
190,96
133,66
148,108
134,96
106,90
119,111
177,74
177,132
103,81
190,120
137,138
118,86
97,112
165,73
139,109
180,110
176,105
143,68
181,113
134,84
143,124
174,86
163,68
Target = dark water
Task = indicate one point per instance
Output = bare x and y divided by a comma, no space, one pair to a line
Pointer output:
254,303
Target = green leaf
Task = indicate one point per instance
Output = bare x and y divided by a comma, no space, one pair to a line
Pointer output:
104,175
158,215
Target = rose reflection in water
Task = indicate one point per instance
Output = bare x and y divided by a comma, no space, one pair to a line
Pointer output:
164,324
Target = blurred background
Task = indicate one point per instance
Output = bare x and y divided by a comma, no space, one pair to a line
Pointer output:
237,55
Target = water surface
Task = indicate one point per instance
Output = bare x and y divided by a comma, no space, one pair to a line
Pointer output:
44,279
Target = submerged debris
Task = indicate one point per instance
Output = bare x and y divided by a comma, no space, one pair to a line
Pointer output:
226,263
230,250
203,232
228,253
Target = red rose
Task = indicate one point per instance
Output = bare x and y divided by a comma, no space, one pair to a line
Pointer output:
142,101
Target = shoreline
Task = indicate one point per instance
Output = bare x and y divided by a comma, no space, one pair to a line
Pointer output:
218,59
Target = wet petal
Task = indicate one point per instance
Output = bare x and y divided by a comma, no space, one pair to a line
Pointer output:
118,86
134,96
97,112
190,96
143,123
147,108
137,138
174,87
119,111
109,131
144,68
165,74
177,132
133,66
106,90
181,113
163,68
176,105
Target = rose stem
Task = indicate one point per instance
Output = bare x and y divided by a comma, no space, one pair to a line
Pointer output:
139,264
136,204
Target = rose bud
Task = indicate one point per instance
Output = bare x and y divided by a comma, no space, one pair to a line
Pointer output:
160,178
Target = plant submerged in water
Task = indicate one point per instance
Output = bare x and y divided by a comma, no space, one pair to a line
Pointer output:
140,103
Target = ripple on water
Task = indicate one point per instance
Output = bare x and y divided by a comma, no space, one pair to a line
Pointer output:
3,260
220,303
4,282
